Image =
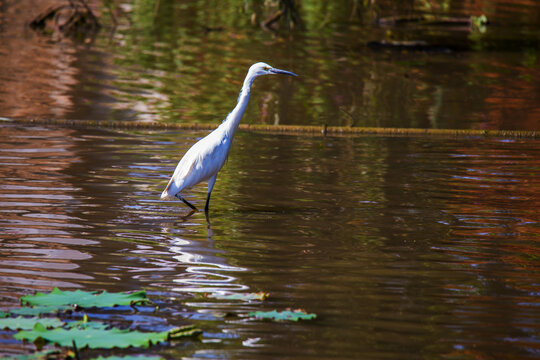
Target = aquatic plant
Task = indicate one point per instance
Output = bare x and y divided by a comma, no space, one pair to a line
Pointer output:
47,318
60,318
287,315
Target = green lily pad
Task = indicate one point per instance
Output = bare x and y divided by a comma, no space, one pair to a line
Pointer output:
286,315
86,325
83,333
244,297
39,310
85,299
39,355
92,338
22,323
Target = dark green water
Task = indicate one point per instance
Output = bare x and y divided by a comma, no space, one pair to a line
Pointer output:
404,247
161,63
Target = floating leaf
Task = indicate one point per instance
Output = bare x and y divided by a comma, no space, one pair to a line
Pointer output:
80,324
289,315
85,323
93,338
40,355
244,297
21,323
3,314
39,310
85,299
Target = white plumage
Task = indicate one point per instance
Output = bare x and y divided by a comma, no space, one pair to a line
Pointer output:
206,157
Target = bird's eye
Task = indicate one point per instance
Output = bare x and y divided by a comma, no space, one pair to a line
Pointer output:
267,68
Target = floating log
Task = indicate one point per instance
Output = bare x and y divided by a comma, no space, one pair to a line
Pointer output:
310,130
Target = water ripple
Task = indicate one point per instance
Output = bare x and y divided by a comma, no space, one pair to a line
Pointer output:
37,224
385,239
205,273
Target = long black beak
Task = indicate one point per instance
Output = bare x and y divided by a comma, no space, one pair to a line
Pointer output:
284,72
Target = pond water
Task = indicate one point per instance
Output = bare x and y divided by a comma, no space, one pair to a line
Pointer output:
403,247
184,61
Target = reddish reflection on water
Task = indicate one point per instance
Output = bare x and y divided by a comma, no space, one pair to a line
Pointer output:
37,76
401,246
36,194
154,66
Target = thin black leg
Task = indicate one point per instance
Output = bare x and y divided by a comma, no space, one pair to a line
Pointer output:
208,222
189,204
186,202
207,204
211,183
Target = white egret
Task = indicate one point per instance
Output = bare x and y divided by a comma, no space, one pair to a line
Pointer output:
206,157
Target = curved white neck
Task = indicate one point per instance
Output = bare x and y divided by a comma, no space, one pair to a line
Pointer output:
233,119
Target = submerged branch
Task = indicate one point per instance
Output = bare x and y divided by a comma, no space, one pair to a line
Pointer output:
72,18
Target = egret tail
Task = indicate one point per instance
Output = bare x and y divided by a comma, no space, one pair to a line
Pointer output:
169,193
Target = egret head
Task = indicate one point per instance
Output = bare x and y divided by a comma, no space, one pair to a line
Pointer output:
261,68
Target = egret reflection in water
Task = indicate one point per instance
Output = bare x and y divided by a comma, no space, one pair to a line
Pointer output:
206,271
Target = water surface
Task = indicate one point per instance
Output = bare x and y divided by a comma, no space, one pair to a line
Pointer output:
404,247
184,62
